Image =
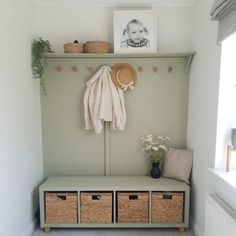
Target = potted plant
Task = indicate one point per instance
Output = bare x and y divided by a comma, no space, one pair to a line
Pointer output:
155,148
39,47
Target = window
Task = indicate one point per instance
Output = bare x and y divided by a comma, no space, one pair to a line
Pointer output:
227,102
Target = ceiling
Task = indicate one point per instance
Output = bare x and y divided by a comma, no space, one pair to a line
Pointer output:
115,3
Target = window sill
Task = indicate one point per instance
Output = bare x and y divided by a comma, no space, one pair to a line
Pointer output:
224,185
228,177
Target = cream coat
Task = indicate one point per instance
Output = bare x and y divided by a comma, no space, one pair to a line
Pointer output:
103,101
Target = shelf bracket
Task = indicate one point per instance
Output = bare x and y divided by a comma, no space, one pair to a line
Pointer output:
189,60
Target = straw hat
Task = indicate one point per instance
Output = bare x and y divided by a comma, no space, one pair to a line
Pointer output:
124,76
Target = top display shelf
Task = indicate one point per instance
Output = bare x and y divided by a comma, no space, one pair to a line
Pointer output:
117,56
188,57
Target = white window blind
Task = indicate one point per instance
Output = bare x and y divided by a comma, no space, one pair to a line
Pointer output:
224,11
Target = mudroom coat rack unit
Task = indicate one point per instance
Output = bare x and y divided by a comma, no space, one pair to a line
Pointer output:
157,105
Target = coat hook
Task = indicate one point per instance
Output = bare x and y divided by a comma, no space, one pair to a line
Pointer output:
59,69
140,69
155,69
74,69
170,69
89,69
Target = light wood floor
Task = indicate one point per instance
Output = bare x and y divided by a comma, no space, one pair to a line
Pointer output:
113,232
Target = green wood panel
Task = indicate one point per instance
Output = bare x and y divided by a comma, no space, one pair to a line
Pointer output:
68,149
158,105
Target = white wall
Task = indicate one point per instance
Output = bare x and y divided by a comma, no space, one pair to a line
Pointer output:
20,126
65,24
203,102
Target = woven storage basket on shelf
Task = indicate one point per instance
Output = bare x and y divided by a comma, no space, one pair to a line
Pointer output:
61,207
132,207
167,207
96,207
97,47
74,47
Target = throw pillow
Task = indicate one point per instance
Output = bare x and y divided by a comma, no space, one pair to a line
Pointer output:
178,164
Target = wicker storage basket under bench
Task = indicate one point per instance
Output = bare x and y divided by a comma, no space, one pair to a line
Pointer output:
167,207
96,207
61,207
132,207
113,201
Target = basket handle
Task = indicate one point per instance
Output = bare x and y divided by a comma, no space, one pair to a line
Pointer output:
167,196
61,197
96,197
133,197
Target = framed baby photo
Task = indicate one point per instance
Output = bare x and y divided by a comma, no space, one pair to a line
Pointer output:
134,31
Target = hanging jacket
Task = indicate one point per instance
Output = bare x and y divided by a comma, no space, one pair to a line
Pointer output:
103,101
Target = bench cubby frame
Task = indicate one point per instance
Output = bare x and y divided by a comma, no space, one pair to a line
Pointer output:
114,184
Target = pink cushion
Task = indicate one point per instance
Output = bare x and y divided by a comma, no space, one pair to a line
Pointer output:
178,164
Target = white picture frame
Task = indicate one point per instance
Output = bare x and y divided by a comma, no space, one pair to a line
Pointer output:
134,31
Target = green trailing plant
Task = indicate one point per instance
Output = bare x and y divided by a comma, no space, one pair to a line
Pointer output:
39,47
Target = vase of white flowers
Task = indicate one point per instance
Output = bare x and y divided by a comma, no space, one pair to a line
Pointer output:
155,147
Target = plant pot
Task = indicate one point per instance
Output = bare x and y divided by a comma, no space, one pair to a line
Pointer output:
156,171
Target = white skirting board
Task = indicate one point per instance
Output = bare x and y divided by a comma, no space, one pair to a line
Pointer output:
30,229
220,219
196,228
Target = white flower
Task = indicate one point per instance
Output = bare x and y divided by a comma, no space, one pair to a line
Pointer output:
154,146
163,147
148,147
155,143
147,138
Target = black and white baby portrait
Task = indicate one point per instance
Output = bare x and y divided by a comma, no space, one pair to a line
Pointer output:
135,35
